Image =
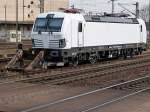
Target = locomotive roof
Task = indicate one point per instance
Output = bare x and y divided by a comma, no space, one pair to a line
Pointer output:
56,14
107,19
93,18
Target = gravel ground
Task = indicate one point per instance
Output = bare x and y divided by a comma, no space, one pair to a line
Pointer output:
138,103
18,99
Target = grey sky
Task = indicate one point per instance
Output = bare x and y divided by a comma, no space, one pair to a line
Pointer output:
103,5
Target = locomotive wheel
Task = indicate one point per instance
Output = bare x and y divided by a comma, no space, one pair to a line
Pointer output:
131,54
44,66
93,59
140,51
125,56
74,62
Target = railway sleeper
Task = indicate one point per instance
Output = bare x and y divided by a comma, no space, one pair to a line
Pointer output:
132,87
85,75
135,88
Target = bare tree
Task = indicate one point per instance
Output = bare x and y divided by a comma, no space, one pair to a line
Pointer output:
144,13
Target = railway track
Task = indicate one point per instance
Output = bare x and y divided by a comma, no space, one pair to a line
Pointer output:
75,75
5,59
66,75
133,87
62,76
13,45
125,90
80,74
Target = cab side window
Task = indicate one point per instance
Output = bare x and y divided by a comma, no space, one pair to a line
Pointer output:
141,28
80,27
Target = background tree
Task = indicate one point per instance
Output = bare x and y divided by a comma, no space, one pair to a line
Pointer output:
144,13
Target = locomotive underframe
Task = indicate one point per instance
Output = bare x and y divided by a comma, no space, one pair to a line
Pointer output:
92,54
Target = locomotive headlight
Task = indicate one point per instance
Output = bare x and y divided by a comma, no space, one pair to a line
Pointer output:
62,43
33,52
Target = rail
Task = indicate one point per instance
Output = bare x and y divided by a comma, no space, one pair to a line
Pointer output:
92,92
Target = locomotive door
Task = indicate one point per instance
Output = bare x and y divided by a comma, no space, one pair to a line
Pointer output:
141,33
80,35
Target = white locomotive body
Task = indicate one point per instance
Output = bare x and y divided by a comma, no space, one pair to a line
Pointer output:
71,38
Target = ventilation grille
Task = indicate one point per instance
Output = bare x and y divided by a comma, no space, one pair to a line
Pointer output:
38,43
54,43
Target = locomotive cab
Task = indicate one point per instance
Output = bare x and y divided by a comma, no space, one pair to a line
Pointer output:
56,33
46,32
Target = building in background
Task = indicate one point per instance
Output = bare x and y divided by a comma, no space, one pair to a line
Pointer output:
27,11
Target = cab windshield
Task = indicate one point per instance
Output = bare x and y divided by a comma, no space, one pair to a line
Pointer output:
48,25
